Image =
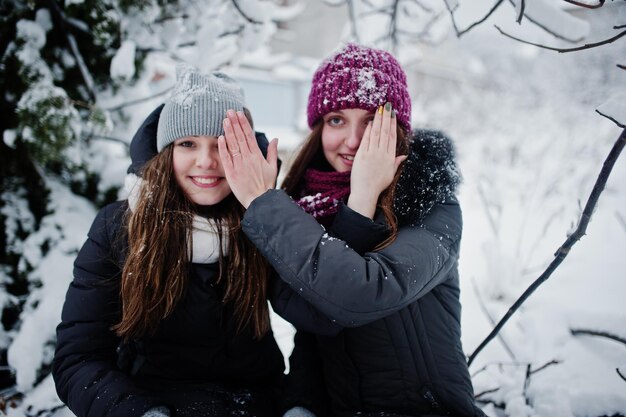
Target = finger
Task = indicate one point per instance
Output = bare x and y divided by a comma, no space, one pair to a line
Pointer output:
251,143
230,138
272,153
399,160
225,157
393,133
237,128
365,141
376,124
385,126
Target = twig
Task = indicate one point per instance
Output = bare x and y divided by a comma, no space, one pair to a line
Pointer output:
588,6
621,66
526,382
563,251
140,100
521,12
489,391
621,220
244,15
110,139
544,366
459,33
576,332
620,374
622,125
562,50
491,320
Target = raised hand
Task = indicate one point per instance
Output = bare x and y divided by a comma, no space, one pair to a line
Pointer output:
248,173
375,162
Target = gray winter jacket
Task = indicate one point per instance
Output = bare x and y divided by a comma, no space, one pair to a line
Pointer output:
395,313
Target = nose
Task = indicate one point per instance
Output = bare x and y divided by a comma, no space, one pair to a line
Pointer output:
207,158
355,135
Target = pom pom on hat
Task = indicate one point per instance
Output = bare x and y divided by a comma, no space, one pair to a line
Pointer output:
359,77
197,105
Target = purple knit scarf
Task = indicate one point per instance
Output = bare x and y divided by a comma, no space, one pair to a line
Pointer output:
322,191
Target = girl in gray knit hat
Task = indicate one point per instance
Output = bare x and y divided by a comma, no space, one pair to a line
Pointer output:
167,312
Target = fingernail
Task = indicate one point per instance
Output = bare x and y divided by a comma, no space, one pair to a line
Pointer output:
380,109
226,122
388,106
230,113
394,113
239,113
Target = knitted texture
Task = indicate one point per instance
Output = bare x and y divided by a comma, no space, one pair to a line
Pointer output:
197,105
322,191
358,77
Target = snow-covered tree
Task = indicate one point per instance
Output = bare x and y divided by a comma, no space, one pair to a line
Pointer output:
70,73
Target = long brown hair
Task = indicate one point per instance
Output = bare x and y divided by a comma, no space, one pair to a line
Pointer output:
311,153
156,269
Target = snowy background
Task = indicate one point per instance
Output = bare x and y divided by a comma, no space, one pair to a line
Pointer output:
529,144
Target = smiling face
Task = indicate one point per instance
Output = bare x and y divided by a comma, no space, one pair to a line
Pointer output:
341,136
198,169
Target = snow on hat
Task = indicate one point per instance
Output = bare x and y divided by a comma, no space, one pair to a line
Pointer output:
359,77
197,105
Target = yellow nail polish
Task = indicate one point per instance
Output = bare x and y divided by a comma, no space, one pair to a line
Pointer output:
380,109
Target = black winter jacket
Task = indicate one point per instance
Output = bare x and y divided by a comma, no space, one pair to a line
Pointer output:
196,363
394,342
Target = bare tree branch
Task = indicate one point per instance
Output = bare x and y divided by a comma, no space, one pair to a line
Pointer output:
588,332
562,50
459,33
352,14
621,66
588,6
620,374
140,100
564,250
489,391
548,30
544,366
521,11
244,15
621,220
611,119
483,307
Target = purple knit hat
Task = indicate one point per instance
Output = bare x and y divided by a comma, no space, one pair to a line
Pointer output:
358,77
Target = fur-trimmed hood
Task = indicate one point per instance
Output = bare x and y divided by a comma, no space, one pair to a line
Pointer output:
429,176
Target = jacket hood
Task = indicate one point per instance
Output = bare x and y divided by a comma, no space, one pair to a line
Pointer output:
429,176
143,146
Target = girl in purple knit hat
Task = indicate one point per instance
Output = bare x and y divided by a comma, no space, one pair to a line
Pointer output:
364,237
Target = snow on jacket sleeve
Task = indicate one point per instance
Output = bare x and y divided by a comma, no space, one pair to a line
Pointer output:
344,285
84,369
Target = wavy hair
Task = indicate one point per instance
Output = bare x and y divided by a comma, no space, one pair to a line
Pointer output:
157,267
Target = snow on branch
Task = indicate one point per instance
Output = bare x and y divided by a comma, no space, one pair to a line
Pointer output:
564,250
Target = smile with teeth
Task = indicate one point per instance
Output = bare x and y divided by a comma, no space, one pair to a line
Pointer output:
205,180
348,157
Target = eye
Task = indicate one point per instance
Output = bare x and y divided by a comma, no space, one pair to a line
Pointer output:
185,143
334,121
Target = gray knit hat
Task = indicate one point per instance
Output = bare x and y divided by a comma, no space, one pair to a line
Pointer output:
198,105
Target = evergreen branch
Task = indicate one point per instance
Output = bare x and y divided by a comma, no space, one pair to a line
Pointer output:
564,250
110,139
563,50
588,332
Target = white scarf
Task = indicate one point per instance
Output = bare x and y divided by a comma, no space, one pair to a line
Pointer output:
204,238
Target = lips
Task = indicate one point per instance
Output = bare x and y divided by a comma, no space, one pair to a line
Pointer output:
206,182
